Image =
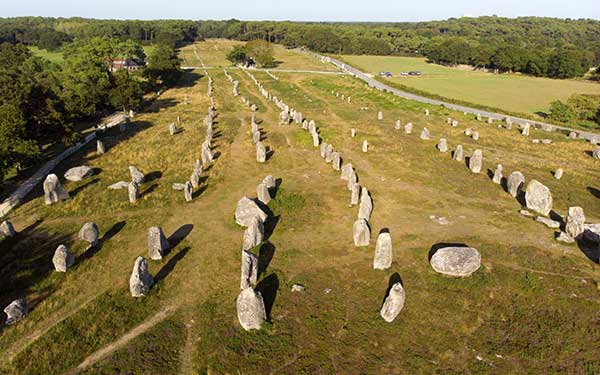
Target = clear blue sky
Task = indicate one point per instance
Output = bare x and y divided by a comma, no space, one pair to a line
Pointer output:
300,10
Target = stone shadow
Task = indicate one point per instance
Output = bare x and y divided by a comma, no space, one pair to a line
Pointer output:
179,235
595,192
275,189
148,190
589,244
441,245
80,188
394,278
198,192
268,288
265,255
168,268
93,250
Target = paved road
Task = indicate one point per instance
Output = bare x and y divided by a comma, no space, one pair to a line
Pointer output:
496,116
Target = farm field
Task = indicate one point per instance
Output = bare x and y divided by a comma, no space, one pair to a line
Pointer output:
532,307
510,92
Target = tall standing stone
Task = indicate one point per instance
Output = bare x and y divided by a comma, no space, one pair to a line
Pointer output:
329,153
346,170
54,191
458,153
575,225
251,311
497,179
89,233
15,311
157,243
136,176
380,116
393,303
261,153
355,194
254,234
538,197
362,233
525,130
134,191
246,210
366,205
336,161
514,183
187,191
476,161
383,252
249,272
206,154
141,280
323,149
315,138
353,132
262,191
7,229
443,145
63,259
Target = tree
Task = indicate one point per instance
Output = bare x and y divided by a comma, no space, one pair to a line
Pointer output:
163,65
15,148
126,92
261,52
237,55
561,112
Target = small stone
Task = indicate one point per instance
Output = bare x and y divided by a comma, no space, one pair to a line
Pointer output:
118,185
558,173
563,237
16,311
475,135
380,116
54,190
78,173
573,135
136,176
141,280
538,198
526,213
298,288
63,259
269,181
7,229
89,233
497,179
456,261
596,153
394,303
425,135
548,222
353,132
476,161
173,129
178,186
250,309
365,146
187,191
514,183
362,233
246,210
100,148
458,153
398,125
408,128
468,132
157,243
383,252
443,145
575,223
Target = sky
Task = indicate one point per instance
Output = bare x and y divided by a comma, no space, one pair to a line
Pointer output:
300,10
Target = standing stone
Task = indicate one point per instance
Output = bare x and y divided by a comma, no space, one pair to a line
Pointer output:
408,128
365,146
246,210
173,128
7,229
355,194
284,118
141,280
596,153
89,233
468,132
206,154
54,190
476,161
475,135
426,112
454,123
262,191
157,243
63,259
362,233
187,191
558,173
305,125
118,185
458,153
497,179
134,191
393,303
269,181
315,138
136,176
425,134
256,137
380,116
353,132
575,225
195,179
573,135
250,309
100,148
328,153
312,126
456,261
525,130
347,169
398,125
366,205
254,234
538,198
16,311
78,173
336,161
323,149
249,273
443,145
383,252
479,118
261,153
352,179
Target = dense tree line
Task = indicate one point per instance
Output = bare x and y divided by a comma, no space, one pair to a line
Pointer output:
578,108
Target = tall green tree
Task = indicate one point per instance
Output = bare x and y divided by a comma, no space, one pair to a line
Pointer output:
261,52
163,65
126,92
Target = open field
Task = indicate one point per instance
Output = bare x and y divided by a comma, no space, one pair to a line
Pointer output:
531,308
54,56
511,92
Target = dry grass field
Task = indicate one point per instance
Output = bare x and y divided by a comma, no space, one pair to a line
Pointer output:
533,307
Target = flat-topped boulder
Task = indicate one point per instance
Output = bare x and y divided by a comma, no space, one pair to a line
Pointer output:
394,303
89,233
157,243
456,261
246,210
63,259
54,190
78,173
16,311
251,311
141,280
538,197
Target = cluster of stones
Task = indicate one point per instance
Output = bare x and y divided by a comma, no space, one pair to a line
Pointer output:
343,97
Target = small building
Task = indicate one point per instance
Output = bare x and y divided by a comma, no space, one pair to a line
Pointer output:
129,64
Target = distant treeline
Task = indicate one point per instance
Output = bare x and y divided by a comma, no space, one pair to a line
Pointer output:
559,48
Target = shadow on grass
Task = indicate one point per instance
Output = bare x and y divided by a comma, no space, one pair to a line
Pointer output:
441,245
265,255
179,235
589,244
168,268
268,288
93,250
80,188
595,192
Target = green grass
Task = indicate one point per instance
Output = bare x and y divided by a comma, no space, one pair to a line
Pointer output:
511,92
53,56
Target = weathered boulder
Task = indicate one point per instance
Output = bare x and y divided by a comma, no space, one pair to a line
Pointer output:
195,179
468,132
89,233
246,210
366,205
347,169
78,173
262,191
157,243
538,198
443,145
249,272
269,181
514,183
458,153
329,153
173,128
250,309
7,229
134,191
476,161
141,280
54,191
255,137
315,138
596,153
573,135
394,303
497,179
525,129
178,186
548,222
355,194
63,259
136,175
408,128
456,261
254,234
475,135
558,173
425,135
362,233
261,153
575,224
16,311
383,252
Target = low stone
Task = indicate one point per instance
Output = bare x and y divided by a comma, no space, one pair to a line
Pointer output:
63,259
118,185
355,194
383,252
476,161
526,213
558,173
443,145
408,128
16,311
329,153
525,129
323,149
178,186
133,191
546,141
157,243
497,179
575,223
394,303
249,272
475,135
548,222
141,280
254,234
458,153
563,237
365,146
195,179
262,191
298,288
514,183
380,116
425,135
468,132
54,190
366,205
7,229
538,198
261,153
250,309
456,261
398,125
89,233
362,233
246,210
136,175
572,135
187,191
78,173
353,132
